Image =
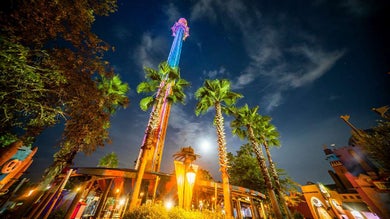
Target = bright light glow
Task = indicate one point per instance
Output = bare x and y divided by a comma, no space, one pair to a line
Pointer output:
117,190
168,204
122,201
191,176
205,145
357,214
78,189
30,192
48,187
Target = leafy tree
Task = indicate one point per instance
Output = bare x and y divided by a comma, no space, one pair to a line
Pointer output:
68,58
376,143
245,125
245,170
109,160
29,92
217,94
204,175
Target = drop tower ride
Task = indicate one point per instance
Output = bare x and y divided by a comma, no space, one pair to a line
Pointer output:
150,153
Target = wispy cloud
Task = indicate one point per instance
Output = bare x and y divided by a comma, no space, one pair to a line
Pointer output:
187,126
282,58
214,73
172,12
319,63
204,8
243,79
150,51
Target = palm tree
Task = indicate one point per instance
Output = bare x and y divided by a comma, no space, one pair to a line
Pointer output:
166,87
269,136
217,94
245,125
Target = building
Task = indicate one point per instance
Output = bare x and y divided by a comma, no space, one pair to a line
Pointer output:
361,188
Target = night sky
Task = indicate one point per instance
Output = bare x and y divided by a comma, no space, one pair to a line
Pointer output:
304,63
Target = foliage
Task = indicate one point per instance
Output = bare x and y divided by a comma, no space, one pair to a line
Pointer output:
59,45
158,81
204,175
159,212
110,160
245,170
147,211
7,139
215,92
376,143
29,90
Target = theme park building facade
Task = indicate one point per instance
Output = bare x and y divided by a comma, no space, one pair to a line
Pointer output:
361,189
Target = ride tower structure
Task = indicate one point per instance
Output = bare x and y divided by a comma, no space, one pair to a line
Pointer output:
150,153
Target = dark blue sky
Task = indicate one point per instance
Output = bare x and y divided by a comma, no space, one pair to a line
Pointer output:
304,63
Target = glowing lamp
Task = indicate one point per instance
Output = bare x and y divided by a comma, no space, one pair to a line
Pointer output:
191,175
122,201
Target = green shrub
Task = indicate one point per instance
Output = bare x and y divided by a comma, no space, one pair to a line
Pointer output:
159,212
147,211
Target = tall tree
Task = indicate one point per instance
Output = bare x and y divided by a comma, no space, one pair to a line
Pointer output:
245,125
269,136
88,129
164,84
109,160
62,30
217,94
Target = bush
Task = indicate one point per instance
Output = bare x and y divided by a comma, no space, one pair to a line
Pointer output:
148,211
159,212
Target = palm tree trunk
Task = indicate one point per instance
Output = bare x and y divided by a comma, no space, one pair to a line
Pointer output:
276,178
223,160
264,170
